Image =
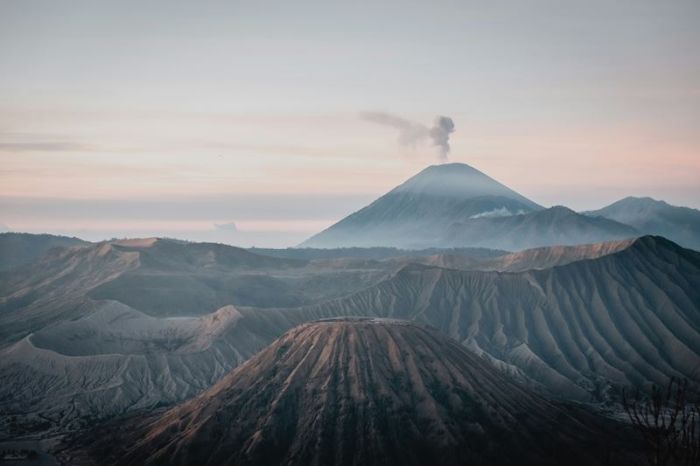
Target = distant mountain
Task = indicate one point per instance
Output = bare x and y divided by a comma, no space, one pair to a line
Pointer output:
652,217
416,213
554,226
22,248
457,206
357,392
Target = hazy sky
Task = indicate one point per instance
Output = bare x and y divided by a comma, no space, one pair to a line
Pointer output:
126,118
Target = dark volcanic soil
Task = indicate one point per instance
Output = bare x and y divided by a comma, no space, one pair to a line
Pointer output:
358,392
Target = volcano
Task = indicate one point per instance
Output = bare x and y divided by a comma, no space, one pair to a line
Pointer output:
455,205
421,209
356,391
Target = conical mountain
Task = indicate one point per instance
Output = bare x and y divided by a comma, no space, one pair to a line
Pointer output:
459,181
418,211
455,205
357,392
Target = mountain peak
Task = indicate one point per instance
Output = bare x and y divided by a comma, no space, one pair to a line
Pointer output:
656,217
646,242
450,167
457,205
418,212
458,180
640,201
560,210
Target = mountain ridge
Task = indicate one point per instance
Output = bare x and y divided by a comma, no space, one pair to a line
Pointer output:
655,217
579,331
555,226
559,325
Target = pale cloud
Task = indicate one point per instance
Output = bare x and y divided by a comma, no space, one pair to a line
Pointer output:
273,220
54,146
210,209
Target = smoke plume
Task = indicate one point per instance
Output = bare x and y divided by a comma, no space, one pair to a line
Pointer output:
411,133
440,134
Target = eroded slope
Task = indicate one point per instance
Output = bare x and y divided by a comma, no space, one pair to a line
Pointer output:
357,392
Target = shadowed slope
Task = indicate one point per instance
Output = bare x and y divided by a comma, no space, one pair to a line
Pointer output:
53,288
358,392
17,249
554,226
627,318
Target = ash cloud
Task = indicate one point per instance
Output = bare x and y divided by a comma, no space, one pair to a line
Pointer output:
412,133
440,134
